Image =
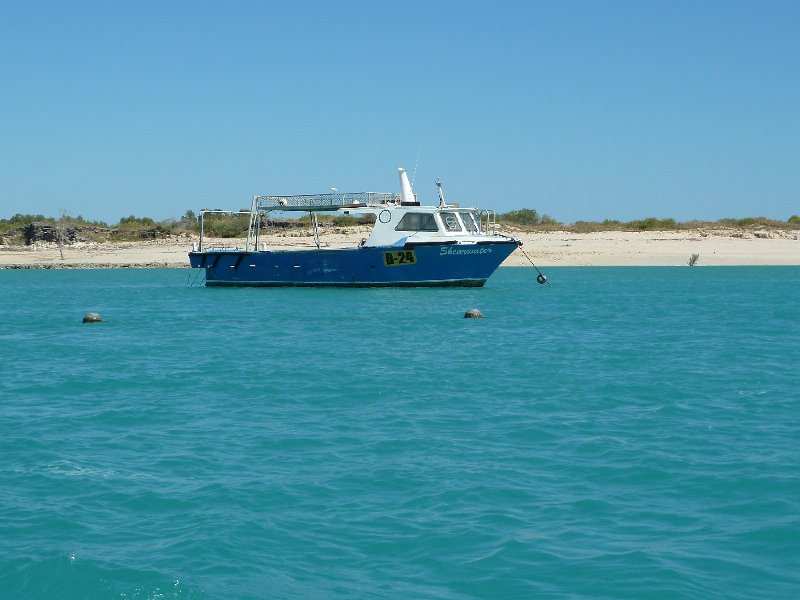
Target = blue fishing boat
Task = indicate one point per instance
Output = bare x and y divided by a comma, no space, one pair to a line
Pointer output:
410,245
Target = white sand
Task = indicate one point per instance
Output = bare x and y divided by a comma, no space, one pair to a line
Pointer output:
561,248
660,248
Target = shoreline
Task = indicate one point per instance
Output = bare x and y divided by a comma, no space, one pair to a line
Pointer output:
716,247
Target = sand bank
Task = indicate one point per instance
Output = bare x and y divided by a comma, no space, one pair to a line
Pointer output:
553,248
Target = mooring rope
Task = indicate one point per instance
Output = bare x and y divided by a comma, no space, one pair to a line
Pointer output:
540,278
191,282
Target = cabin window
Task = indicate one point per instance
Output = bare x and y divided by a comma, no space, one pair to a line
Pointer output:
450,221
469,222
417,222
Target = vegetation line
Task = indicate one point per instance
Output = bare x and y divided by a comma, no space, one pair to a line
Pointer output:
67,229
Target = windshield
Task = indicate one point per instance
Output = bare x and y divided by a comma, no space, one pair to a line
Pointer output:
450,221
470,224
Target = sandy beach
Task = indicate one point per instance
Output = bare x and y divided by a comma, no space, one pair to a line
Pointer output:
552,248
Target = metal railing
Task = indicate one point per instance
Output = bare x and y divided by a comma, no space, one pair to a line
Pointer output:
488,221
205,212
318,202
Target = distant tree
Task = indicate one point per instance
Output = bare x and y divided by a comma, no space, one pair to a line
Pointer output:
523,216
548,220
19,219
133,222
653,224
190,221
746,222
226,224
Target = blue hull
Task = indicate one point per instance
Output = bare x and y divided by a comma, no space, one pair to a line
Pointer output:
418,265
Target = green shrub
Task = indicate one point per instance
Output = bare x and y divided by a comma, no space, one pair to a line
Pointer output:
338,220
80,221
585,227
18,220
189,222
749,222
652,224
352,221
226,225
523,216
133,222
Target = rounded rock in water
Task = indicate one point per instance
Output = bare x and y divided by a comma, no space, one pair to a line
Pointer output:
473,313
92,317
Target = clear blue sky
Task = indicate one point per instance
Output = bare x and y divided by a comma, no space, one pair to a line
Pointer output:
581,110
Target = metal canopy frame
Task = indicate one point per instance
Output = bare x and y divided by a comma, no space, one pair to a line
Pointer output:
322,202
311,203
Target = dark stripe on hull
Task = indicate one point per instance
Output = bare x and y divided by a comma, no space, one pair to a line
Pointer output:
456,283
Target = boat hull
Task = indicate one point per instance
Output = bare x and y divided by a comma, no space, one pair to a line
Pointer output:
412,265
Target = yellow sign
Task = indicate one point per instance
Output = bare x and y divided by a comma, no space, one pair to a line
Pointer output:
399,257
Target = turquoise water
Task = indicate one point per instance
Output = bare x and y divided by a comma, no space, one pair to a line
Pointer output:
627,433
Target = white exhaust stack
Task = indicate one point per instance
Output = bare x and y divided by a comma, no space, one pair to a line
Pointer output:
406,193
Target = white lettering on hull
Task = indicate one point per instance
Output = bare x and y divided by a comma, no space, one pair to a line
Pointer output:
446,250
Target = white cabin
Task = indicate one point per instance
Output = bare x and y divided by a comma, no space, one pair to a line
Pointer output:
400,222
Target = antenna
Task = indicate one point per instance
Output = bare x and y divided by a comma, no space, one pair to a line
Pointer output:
414,176
441,193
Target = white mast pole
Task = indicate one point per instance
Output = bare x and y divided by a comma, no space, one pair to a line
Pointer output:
406,193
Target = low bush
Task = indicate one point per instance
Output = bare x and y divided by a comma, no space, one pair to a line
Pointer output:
523,216
653,224
226,225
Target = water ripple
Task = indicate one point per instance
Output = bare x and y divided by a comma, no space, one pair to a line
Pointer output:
625,433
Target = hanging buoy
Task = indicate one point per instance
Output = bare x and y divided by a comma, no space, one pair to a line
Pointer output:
540,277
473,313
